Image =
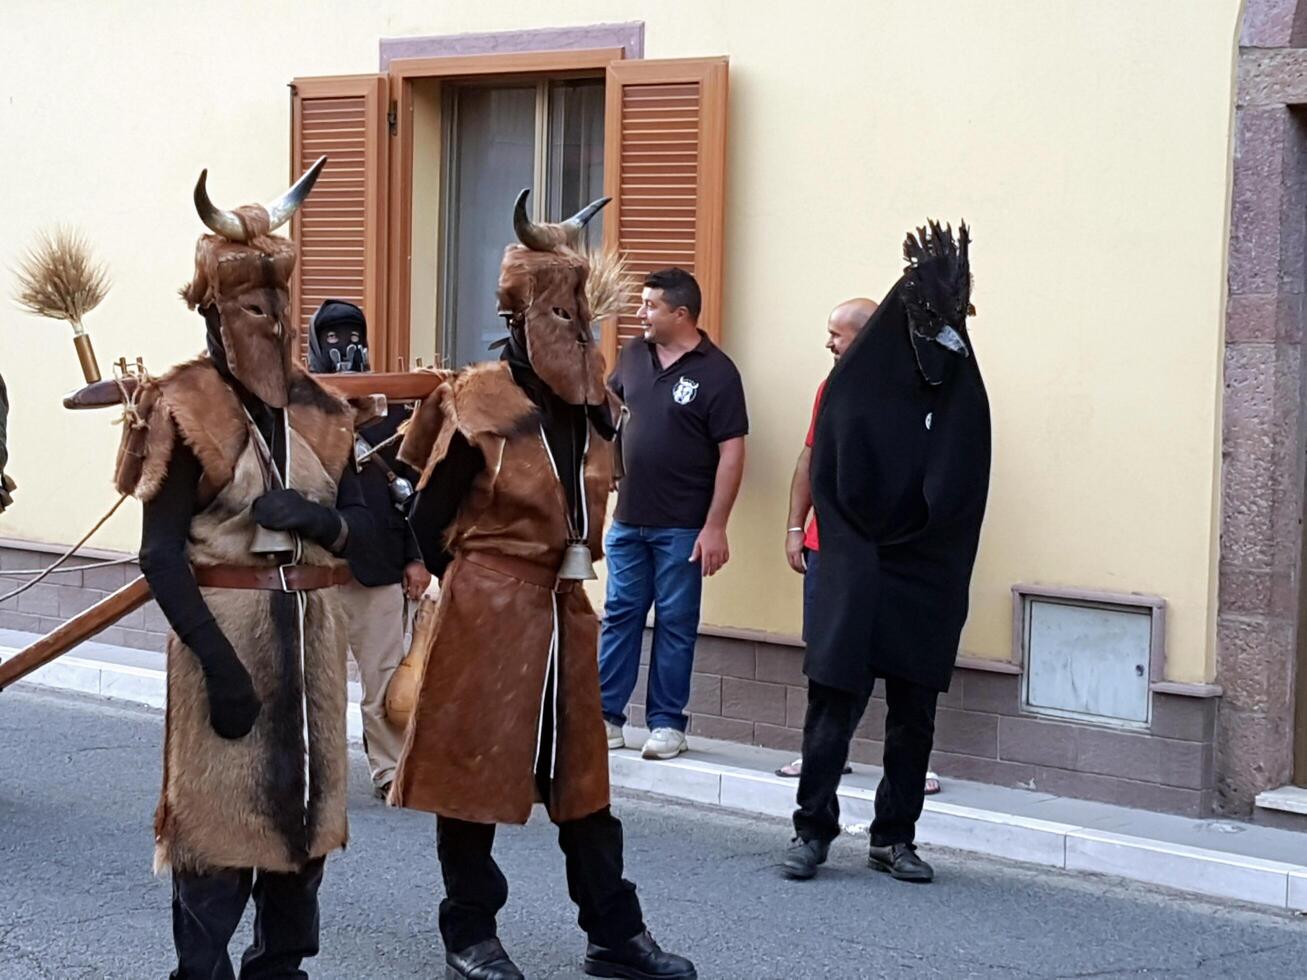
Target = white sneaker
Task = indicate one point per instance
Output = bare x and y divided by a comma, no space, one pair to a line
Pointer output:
616,740
665,743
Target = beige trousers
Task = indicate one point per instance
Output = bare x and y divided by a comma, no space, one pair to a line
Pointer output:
376,641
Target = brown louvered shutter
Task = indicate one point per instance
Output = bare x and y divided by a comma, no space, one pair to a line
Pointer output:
665,168
341,229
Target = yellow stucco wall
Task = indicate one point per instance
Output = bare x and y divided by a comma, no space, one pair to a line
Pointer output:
1086,141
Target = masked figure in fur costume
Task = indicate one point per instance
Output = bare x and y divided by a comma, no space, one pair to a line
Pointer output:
516,464
240,458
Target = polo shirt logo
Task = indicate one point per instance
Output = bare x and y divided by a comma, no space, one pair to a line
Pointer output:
685,391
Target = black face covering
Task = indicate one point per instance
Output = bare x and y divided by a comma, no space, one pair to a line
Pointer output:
550,405
345,353
213,341
338,339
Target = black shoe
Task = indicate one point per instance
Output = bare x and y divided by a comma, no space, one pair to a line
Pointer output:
901,861
639,958
484,961
803,857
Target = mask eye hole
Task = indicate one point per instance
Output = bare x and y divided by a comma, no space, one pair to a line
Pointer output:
562,314
254,309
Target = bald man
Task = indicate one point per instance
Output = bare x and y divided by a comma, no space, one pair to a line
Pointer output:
843,325
802,545
801,542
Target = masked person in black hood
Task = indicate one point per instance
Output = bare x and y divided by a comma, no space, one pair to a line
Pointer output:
392,569
900,476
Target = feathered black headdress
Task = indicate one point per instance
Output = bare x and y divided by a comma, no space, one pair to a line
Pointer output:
937,284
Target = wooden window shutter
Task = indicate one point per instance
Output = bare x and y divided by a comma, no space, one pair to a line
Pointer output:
341,229
665,168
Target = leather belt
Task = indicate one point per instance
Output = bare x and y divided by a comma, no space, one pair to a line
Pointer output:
274,578
522,569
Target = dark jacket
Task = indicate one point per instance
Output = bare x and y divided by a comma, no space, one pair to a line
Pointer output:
900,475
395,546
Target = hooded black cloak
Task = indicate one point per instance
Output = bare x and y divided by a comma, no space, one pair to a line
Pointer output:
900,474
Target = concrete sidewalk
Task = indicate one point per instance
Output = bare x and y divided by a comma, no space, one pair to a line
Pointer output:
1222,859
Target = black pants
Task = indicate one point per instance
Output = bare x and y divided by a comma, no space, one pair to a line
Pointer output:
206,908
827,731
475,888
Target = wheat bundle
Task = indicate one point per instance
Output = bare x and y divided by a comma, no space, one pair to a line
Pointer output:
58,278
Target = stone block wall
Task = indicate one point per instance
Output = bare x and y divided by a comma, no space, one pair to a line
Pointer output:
754,692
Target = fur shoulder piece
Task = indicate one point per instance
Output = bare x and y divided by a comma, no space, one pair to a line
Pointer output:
479,403
193,402
325,421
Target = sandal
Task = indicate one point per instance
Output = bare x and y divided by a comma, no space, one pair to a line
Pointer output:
795,769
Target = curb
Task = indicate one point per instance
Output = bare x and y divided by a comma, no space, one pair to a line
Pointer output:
1064,846
1067,847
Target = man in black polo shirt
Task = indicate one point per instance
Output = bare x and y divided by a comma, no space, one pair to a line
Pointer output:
683,455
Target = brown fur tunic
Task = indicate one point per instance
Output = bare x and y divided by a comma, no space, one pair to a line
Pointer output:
470,750
240,803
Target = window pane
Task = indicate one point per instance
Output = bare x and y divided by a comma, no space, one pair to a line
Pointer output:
494,158
576,151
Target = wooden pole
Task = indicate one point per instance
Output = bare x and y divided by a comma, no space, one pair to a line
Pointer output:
397,386
83,626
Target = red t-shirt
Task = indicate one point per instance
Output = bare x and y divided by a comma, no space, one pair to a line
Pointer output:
810,540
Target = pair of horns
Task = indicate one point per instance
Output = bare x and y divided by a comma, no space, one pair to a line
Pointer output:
547,237
229,225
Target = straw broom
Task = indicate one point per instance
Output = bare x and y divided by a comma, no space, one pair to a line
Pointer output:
58,278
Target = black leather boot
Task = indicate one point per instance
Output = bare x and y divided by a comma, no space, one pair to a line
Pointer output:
639,958
901,862
803,857
483,961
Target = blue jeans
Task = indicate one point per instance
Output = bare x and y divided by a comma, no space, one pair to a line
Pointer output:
650,566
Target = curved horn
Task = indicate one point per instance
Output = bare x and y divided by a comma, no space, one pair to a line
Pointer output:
280,210
575,225
221,222
528,232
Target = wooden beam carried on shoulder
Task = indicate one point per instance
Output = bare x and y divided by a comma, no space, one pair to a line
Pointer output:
80,628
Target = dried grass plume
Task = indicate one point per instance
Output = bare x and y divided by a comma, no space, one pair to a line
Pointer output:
59,278
609,285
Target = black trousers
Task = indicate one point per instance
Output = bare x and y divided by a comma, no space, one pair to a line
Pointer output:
827,731
206,908
475,888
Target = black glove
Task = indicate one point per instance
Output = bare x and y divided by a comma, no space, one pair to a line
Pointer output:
290,510
233,704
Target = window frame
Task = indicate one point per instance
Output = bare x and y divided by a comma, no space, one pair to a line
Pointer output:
542,87
490,68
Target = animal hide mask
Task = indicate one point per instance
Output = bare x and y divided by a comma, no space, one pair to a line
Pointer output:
242,273
542,293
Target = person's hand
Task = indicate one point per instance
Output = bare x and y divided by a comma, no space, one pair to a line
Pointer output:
794,551
233,704
290,510
416,579
711,550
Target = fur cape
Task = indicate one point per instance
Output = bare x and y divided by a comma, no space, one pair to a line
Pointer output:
482,711
245,803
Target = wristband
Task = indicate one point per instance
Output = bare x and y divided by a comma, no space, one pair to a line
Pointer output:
791,530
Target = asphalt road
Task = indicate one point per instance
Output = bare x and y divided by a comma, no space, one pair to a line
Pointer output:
78,781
